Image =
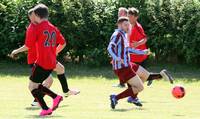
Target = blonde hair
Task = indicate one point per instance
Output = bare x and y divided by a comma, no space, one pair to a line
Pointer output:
122,9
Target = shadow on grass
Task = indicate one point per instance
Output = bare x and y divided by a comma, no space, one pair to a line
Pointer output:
32,108
39,117
183,72
129,109
178,115
38,108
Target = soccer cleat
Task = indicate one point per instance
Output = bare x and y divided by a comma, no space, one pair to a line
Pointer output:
46,112
35,104
71,92
165,74
113,101
135,101
119,85
56,102
149,82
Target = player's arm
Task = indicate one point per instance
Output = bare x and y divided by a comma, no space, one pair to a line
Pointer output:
59,48
16,51
138,52
141,42
112,46
60,41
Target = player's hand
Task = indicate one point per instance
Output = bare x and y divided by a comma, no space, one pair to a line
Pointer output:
147,52
122,61
13,55
111,62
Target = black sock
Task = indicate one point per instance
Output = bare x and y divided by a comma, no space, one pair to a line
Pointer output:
37,94
154,76
47,91
42,94
63,82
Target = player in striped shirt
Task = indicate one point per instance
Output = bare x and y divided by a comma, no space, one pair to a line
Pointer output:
127,72
119,50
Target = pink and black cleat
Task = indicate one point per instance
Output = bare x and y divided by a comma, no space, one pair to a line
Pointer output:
46,112
56,102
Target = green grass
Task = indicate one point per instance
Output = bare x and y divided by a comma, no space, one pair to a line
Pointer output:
96,85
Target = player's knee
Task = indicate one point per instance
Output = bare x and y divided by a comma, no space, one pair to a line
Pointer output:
31,87
140,88
60,69
63,70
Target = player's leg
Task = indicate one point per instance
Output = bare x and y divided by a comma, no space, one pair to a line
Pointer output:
134,99
60,70
136,86
147,76
37,94
37,89
47,83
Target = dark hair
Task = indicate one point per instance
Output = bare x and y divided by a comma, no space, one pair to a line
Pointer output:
30,11
133,11
41,10
122,19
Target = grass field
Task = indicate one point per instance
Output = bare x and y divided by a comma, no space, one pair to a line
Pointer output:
93,102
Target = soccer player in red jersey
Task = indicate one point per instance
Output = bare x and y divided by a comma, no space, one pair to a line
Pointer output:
31,57
138,39
47,39
137,36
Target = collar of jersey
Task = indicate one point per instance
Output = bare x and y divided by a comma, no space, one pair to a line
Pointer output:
43,22
121,31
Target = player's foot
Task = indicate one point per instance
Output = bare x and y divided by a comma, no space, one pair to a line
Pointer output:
119,85
35,104
149,82
71,92
113,101
46,112
56,102
135,101
165,74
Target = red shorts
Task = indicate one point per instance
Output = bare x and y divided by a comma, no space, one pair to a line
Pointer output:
134,66
124,74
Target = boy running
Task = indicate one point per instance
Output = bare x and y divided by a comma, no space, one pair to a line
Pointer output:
46,38
119,50
31,58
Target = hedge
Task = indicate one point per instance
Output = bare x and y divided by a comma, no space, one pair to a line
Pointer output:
172,27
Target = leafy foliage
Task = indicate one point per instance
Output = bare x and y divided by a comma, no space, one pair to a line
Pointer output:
172,27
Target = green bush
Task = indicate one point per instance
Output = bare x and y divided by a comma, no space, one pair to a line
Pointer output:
172,27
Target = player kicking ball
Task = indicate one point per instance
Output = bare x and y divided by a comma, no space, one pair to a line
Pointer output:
31,57
120,51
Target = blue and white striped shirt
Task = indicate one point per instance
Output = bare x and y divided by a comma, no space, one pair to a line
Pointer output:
119,49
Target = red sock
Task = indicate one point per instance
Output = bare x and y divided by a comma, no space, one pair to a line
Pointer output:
132,95
124,94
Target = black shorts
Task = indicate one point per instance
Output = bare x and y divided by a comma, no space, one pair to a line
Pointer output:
39,74
31,65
